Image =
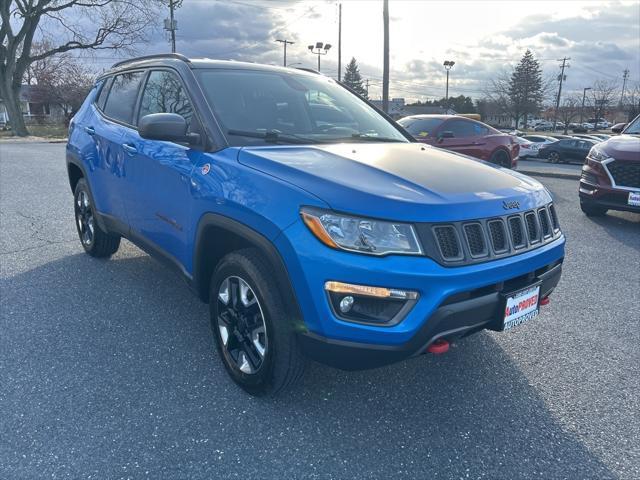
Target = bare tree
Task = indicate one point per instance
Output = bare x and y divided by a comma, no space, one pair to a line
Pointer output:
569,111
66,25
603,93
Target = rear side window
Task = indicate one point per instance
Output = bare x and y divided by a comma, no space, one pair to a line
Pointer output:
122,97
421,127
104,91
164,93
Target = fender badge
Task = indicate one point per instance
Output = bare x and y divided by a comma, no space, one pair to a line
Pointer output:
205,168
509,205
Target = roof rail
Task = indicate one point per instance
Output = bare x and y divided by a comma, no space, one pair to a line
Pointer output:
177,56
305,69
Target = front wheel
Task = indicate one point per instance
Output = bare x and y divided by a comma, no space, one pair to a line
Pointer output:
95,241
591,210
554,157
253,333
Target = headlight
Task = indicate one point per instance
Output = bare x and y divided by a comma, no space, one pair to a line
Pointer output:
597,155
363,235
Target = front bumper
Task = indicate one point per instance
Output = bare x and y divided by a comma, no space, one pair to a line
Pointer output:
596,189
453,301
452,320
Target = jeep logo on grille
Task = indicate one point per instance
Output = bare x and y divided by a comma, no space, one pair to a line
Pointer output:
510,205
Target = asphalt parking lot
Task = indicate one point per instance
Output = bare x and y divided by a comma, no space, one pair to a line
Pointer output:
108,369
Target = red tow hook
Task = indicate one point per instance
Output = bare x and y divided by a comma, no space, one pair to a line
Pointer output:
545,301
438,347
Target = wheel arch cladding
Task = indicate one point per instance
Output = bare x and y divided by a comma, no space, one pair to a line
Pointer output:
217,236
75,173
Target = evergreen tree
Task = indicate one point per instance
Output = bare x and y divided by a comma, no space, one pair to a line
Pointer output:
353,80
525,89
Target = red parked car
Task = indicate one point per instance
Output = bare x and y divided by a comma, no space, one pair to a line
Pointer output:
464,135
611,174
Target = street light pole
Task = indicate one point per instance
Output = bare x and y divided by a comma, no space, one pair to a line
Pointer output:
319,49
584,94
447,66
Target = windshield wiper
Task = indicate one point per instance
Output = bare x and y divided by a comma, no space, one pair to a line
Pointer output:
274,136
373,138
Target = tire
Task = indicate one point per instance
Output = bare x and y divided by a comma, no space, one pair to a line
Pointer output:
501,158
554,157
261,364
95,241
591,210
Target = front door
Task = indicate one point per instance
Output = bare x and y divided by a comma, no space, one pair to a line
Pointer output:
159,177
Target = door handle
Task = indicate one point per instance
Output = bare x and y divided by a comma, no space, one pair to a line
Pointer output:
130,149
90,130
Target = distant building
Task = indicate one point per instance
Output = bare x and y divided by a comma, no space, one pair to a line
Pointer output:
398,109
35,108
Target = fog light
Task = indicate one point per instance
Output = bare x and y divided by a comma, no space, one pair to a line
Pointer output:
368,304
346,303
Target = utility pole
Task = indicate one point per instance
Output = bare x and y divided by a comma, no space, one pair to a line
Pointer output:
339,41
385,63
561,78
625,75
285,43
171,24
584,94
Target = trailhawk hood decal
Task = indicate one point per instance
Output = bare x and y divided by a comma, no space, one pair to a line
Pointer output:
383,179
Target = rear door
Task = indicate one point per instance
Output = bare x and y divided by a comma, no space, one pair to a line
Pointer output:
112,134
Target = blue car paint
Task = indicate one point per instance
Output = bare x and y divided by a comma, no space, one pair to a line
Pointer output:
161,192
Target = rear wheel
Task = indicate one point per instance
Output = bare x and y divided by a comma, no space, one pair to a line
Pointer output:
501,158
554,157
591,210
95,241
253,333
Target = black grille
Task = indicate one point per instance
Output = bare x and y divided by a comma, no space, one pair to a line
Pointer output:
544,222
625,174
498,236
532,226
475,239
554,217
517,235
448,242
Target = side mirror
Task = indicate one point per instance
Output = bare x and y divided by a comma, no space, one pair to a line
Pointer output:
618,127
445,134
169,127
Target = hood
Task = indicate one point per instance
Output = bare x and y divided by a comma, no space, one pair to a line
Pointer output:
400,181
622,147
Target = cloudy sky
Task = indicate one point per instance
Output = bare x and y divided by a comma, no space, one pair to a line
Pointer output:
483,38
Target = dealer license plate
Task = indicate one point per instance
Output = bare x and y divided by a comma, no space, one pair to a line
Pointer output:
634,199
521,307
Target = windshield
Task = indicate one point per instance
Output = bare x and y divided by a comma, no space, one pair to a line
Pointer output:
634,127
258,107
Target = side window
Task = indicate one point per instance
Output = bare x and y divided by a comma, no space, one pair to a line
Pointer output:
104,91
164,93
460,128
122,96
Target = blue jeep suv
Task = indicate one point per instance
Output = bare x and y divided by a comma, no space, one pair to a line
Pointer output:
312,224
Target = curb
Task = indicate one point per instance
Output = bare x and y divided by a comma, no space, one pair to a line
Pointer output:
567,176
25,142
